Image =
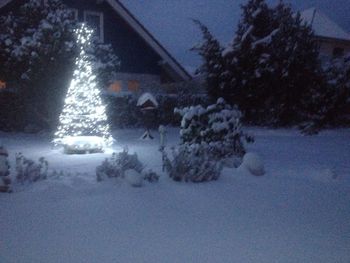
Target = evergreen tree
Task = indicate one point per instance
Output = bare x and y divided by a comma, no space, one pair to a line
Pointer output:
296,71
83,113
212,67
246,62
272,64
330,107
37,51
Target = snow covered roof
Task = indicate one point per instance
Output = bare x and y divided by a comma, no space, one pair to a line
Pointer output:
147,100
167,58
322,25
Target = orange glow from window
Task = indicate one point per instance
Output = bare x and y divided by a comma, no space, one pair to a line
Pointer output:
116,86
133,85
2,84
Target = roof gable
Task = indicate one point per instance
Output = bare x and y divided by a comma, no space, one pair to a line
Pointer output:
168,62
322,25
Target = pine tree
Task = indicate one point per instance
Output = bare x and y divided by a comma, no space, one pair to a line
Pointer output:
245,60
37,51
296,70
212,67
83,113
272,64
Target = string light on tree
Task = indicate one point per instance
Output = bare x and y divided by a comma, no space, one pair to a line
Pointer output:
84,114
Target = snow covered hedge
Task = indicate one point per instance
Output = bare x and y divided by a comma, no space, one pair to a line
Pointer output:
126,166
192,163
217,126
123,112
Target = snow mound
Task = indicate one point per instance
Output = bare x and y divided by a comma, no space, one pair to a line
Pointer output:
133,177
325,175
253,163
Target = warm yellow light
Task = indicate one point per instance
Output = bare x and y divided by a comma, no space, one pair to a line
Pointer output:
2,84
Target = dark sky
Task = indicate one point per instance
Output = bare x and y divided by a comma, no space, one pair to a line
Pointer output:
170,20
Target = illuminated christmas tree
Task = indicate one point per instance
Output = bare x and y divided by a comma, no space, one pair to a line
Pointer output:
84,114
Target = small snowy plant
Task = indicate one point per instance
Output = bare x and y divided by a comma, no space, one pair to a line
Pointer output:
192,163
29,171
119,166
218,126
5,182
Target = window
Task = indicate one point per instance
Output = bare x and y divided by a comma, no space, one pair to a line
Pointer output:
2,84
95,20
133,85
115,87
75,13
338,52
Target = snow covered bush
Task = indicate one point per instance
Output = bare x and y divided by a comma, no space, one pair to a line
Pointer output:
28,171
218,126
150,176
192,163
121,164
5,183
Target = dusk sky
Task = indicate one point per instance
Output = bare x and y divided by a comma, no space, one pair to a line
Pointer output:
170,20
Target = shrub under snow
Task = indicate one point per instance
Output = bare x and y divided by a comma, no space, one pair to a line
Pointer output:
218,126
120,166
4,171
30,171
192,163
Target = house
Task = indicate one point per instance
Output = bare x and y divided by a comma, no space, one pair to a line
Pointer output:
145,63
333,40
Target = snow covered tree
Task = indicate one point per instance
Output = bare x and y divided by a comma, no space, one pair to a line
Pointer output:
212,67
330,107
338,79
37,51
83,113
272,64
245,62
296,71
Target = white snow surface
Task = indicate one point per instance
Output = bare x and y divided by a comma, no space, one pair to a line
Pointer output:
322,25
289,215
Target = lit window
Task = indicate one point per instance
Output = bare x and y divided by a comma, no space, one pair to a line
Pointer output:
338,52
2,84
95,20
133,85
115,87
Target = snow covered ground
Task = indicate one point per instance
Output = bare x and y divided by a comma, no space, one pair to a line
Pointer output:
296,212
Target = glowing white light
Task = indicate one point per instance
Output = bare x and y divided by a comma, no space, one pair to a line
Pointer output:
84,113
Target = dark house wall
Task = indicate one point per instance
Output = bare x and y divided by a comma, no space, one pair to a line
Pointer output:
135,54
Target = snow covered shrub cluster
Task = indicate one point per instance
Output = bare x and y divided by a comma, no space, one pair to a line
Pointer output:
192,163
120,166
28,171
5,183
217,126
